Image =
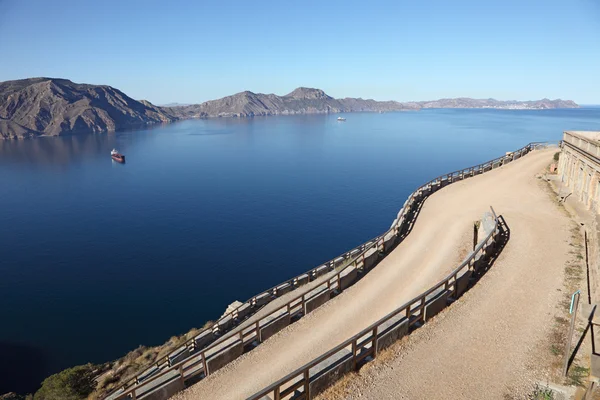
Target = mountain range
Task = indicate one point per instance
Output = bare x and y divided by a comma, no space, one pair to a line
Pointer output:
464,102
51,107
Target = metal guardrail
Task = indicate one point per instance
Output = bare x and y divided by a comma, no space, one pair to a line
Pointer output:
189,368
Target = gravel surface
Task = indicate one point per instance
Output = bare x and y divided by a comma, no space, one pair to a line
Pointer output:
481,344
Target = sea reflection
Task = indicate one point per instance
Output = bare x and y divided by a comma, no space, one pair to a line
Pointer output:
59,151
69,150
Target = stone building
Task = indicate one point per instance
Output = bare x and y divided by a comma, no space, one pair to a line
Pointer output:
579,166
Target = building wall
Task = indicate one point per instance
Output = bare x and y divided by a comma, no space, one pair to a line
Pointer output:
579,170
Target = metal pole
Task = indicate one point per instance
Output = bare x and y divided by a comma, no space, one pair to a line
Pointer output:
574,305
587,267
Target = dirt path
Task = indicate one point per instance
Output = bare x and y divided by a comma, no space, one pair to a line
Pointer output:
488,344
506,318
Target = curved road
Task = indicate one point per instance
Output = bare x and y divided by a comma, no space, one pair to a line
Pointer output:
439,240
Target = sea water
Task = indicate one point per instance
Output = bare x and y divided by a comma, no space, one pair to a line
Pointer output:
97,257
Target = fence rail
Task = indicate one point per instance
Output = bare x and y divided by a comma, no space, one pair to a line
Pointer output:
365,343
190,362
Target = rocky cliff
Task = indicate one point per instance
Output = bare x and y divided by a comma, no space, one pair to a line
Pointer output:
47,106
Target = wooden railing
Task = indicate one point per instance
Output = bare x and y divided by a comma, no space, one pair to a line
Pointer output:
355,258
351,259
256,303
195,364
365,343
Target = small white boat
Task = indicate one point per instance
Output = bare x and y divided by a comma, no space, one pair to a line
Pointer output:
341,119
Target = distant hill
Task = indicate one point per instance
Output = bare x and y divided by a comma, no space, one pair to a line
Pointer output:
300,101
173,105
48,106
464,102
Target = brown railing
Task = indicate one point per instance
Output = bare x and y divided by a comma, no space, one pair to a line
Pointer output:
352,353
255,303
350,259
196,363
193,366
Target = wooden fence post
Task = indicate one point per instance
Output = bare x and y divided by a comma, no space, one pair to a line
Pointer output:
354,355
203,355
307,384
375,332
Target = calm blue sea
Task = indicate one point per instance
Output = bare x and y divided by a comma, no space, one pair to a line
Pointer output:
97,258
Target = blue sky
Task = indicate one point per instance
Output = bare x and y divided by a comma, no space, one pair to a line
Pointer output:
192,51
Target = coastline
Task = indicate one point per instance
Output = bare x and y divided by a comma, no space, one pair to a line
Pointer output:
142,126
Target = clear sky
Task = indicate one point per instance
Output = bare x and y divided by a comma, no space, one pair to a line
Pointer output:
196,50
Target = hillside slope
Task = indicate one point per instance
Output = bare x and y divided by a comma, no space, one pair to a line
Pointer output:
48,106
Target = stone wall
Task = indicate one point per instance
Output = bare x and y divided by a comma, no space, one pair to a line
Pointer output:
579,169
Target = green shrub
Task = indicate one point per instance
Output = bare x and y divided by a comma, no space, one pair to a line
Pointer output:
71,384
556,156
541,393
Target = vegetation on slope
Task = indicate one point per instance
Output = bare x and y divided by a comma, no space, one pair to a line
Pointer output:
95,381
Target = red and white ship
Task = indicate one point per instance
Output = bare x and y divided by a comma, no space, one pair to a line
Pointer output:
118,157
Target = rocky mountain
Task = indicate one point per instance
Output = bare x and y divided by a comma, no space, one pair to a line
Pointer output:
300,101
47,106
464,102
315,101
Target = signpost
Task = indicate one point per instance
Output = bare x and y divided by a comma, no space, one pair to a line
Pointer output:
573,312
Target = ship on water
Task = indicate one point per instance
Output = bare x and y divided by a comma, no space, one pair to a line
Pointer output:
118,157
